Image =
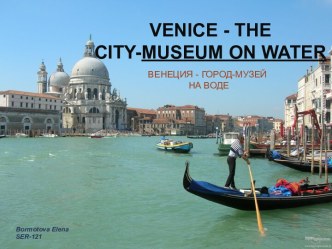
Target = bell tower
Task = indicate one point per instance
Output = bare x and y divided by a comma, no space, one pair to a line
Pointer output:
60,66
42,79
89,48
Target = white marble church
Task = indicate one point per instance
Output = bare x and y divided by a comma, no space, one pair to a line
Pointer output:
89,103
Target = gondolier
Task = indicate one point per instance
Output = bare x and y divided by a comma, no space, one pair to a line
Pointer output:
235,151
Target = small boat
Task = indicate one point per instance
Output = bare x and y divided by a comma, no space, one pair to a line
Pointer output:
21,135
2,136
175,146
276,154
227,139
96,136
49,135
199,136
243,199
111,135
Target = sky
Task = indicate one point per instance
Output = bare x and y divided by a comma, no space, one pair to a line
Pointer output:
36,31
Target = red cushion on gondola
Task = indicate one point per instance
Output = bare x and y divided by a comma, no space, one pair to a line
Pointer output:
294,187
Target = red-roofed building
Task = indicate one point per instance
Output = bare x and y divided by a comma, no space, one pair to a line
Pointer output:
140,120
180,120
259,124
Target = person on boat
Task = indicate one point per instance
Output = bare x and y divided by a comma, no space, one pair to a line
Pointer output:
236,150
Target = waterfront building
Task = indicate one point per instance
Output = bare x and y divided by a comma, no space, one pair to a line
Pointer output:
258,124
252,120
29,113
314,92
277,125
180,120
263,125
220,122
289,109
141,120
212,124
226,122
90,103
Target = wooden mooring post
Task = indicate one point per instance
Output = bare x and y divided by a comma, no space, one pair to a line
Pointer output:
272,140
288,141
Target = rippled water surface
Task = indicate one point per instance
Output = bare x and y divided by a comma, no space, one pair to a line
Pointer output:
124,193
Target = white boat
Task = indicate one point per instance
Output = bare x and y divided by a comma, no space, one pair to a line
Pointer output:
20,134
110,135
49,135
227,139
94,135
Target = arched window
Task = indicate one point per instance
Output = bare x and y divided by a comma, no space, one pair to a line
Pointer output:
3,125
66,110
117,115
89,93
94,110
95,93
27,124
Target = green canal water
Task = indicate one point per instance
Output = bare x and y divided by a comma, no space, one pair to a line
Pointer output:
124,193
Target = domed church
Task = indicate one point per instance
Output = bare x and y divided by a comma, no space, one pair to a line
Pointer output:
89,103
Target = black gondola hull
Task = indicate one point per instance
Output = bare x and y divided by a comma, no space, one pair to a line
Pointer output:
236,199
301,166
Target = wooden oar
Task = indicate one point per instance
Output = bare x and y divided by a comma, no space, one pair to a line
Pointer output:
259,220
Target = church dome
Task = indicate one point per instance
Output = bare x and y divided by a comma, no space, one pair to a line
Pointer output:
90,66
59,79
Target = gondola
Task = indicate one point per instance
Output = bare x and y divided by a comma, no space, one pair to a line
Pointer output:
295,163
243,200
304,166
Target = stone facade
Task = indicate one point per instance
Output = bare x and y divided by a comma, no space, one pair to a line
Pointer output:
180,120
289,106
314,92
141,120
29,113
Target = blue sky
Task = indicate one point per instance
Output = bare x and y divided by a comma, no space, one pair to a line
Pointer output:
32,31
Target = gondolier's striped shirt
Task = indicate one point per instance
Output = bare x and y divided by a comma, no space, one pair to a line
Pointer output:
236,149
